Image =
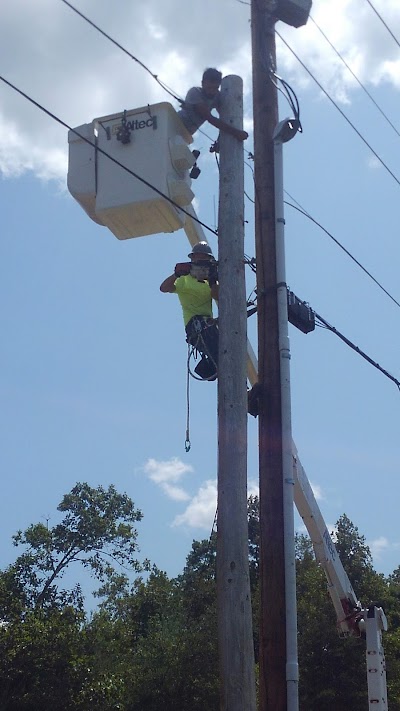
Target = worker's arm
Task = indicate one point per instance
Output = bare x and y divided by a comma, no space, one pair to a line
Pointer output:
205,113
168,285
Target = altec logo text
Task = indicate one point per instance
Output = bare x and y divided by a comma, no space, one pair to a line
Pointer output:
136,124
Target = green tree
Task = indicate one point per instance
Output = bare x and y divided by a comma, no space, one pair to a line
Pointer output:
48,652
142,626
41,661
97,531
356,559
333,669
152,644
168,636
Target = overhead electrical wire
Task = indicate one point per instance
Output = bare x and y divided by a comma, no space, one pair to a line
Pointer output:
289,94
363,87
356,349
294,107
320,321
164,86
292,99
306,214
100,150
252,264
123,49
293,102
340,111
286,86
383,22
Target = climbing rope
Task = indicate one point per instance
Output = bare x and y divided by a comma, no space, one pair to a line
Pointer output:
187,440
192,350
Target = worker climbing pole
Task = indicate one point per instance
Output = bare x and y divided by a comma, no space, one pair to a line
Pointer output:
196,284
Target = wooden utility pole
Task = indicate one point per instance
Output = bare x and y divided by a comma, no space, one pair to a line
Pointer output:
273,690
235,636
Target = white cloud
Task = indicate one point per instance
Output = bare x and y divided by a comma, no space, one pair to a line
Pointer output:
168,475
200,512
381,546
18,155
78,74
378,546
357,34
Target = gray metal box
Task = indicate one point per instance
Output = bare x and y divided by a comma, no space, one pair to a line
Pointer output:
293,12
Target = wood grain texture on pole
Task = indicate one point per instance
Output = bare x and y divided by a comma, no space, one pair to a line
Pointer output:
273,691
235,636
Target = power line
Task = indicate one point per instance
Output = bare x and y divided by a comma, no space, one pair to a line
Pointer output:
171,93
164,86
355,76
340,110
166,197
123,49
324,324
297,203
289,94
383,22
306,214
357,349
100,150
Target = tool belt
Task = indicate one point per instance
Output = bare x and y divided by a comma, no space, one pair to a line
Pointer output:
196,326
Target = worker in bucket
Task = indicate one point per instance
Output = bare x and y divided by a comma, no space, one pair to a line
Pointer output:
196,284
199,102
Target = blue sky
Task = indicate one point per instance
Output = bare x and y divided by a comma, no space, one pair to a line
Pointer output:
93,357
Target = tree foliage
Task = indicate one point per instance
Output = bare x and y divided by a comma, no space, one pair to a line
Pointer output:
152,642
97,531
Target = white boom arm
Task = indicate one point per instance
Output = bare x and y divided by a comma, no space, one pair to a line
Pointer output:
352,618
347,607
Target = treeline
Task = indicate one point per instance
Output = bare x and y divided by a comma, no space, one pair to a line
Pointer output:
152,645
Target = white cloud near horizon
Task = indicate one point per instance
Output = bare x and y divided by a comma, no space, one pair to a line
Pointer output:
63,63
